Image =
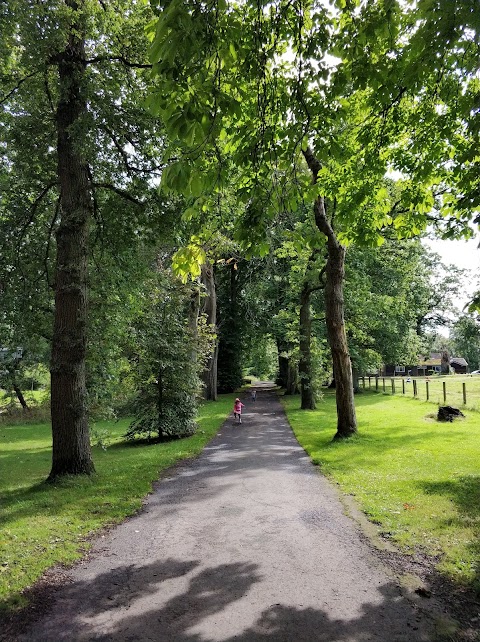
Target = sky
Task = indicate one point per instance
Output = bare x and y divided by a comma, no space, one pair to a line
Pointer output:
465,255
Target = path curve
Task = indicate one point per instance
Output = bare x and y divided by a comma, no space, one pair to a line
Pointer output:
248,542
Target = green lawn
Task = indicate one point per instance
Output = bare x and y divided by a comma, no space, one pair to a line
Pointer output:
453,389
417,478
43,524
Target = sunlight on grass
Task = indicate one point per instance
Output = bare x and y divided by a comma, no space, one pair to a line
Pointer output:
44,524
417,478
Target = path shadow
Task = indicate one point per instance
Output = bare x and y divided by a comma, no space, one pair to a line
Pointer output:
135,603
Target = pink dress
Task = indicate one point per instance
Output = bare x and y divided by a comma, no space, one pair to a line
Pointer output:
237,407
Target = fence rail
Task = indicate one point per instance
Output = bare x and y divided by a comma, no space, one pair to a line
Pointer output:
453,390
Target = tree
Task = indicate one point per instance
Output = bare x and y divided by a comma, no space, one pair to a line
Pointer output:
162,341
466,340
234,96
421,60
71,75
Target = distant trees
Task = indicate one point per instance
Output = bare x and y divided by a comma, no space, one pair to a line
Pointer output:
466,340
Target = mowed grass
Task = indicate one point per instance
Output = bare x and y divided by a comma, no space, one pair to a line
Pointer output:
417,478
43,524
453,389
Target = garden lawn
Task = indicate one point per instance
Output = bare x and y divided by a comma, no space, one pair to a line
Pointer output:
44,524
417,478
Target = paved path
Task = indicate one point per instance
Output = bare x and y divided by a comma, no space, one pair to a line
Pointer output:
249,543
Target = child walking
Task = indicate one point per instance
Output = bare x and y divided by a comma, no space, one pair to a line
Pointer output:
237,410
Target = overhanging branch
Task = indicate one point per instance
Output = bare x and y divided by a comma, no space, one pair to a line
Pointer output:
122,59
121,192
18,85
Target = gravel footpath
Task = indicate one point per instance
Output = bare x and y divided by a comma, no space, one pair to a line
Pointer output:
246,542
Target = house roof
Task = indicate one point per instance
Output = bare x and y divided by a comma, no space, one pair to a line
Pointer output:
459,361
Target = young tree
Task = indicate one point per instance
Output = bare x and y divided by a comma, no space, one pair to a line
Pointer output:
162,341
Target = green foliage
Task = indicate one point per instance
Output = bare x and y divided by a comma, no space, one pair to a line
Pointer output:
261,360
466,340
414,477
166,362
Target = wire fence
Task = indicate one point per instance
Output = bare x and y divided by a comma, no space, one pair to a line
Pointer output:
454,390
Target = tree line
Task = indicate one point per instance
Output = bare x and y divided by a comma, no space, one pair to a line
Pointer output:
181,179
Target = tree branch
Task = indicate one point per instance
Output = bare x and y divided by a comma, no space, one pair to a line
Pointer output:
18,85
33,211
122,59
121,192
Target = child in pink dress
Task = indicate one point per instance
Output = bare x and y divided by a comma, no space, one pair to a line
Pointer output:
237,410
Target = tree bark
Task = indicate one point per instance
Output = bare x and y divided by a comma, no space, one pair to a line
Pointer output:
334,313
71,443
20,396
292,379
209,308
282,363
337,338
305,364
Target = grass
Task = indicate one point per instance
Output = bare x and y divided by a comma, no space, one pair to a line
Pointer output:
44,524
453,387
417,478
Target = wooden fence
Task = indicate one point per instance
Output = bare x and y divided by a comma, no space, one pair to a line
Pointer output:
443,392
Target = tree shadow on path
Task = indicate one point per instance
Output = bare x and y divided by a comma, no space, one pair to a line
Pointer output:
135,603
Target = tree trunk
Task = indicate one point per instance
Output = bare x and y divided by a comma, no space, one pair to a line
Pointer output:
355,379
19,394
305,364
282,363
71,443
230,344
334,312
292,379
209,308
337,338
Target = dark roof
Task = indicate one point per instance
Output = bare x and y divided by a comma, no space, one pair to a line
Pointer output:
459,361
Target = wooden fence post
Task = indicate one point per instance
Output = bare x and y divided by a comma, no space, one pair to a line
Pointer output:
403,386
393,386
464,386
444,392
383,384
428,390
414,387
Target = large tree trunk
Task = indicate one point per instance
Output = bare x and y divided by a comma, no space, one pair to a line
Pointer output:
337,338
71,443
305,364
334,312
209,308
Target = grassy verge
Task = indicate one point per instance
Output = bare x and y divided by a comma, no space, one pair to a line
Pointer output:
417,478
42,525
